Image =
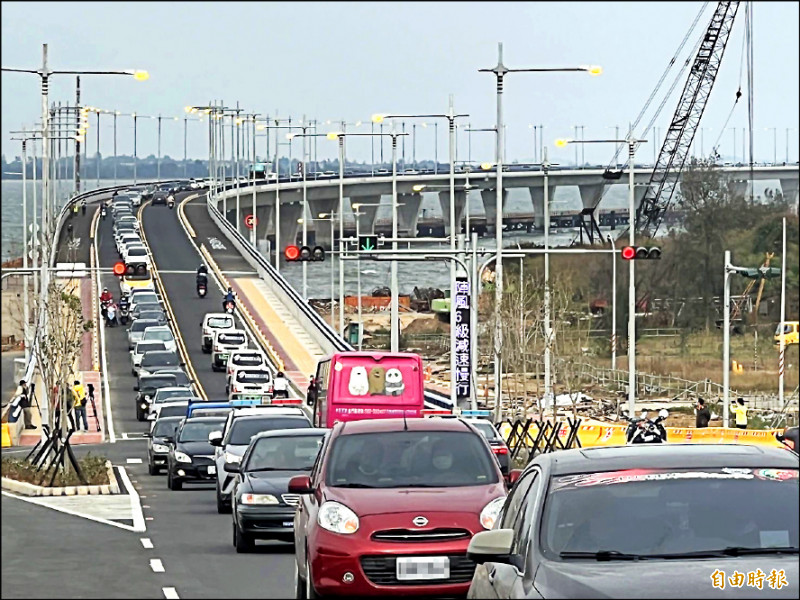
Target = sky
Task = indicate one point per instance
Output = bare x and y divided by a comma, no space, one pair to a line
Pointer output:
341,60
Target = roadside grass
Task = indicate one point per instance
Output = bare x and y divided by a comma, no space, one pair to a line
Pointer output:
93,467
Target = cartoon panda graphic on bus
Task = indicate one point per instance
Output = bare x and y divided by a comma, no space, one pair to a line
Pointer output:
378,381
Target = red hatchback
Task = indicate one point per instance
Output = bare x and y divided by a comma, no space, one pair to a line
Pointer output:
390,507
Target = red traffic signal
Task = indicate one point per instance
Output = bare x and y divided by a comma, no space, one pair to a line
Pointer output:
641,252
292,253
119,269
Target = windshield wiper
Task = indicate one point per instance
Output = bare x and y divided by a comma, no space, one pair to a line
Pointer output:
728,551
276,469
601,555
355,485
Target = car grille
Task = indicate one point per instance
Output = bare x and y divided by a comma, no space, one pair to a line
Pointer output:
202,460
382,570
420,535
291,499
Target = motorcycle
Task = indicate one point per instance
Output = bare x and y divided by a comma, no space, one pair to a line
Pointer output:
646,431
171,202
201,289
124,313
229,306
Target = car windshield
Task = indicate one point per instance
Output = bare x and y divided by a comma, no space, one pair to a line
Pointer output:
181,378
142,347
153,383
653,512
165,428
165,335
243,429
487,429
399,459
139,325
248,360
231,338
284,453
166,395
141,307
198,432
137,251
154,315
253,376
167,359
179,410
211,412
220,322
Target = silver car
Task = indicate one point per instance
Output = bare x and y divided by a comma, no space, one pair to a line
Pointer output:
139,296
136,330
140,349
162,333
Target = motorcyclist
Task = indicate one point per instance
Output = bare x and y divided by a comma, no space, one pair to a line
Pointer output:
106,297
202,276
103,212
124,302
229,297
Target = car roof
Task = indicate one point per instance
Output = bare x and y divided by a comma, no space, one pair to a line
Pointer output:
268,410
257,417
304,432
174,388
413,424
668,456
169,419
145,321
205,419
216,314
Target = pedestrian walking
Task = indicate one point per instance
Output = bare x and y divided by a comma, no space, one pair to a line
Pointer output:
702,414
90,387
25,404
75,210
69,399
79,404
741,413
83,207
281,385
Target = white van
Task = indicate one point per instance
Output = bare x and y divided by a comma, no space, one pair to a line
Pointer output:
214,322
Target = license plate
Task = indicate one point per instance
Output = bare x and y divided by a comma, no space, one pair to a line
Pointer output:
288,523
224,356
423,567
212,470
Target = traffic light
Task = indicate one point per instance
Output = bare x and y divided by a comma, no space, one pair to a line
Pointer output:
367,242
121,269
641,252
300,168
304,254
760,273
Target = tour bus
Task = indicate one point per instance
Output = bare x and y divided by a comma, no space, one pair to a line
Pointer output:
350,386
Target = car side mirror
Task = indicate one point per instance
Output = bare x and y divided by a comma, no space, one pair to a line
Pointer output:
215,438
300,484
231,467
136,388
169,439
514,476
491,546
146,434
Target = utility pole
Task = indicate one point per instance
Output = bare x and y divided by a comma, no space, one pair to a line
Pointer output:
77,164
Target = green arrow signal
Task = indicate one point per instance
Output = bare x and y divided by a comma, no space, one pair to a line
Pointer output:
368,242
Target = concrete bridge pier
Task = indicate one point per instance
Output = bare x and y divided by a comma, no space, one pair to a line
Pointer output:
591,194
408,213
290,212
322,229
265,215
368,210
489,197
460,202
789,188
537,198
740,187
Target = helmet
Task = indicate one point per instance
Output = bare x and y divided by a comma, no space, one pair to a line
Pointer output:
230,291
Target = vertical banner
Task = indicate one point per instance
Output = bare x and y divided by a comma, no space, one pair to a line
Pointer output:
463,374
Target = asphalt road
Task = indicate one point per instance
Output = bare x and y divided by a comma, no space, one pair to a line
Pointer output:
190,537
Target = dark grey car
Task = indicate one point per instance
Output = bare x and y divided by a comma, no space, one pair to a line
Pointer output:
657,521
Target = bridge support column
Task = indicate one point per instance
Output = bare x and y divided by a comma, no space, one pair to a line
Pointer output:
789,188
290,212
592,192
489,197
537,199
366,223
322,229
444,202
740,187
408,213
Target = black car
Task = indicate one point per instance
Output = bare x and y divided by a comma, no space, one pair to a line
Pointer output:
160,197
191,457
181,378
262,505
153,315
157,360
147,386
161,436
499,447
147,307
643,521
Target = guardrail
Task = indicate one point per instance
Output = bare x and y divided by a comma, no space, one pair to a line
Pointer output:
311,320
11,415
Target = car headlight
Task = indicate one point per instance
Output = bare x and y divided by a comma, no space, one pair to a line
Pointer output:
491,511
182,457
144,405
230,457
160,448
337,518
259,499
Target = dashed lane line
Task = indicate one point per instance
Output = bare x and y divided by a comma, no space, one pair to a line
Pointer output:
136,507
157,565
146,543
134,461
170,593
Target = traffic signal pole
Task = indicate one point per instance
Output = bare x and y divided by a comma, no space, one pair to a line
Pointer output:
726,340
631,285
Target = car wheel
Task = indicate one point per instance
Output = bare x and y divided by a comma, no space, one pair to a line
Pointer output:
152,469
173,484
242,541
139,414
222,506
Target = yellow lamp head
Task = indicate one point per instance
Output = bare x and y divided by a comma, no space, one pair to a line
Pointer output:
141,75
377,118
289,136
261,127
418,187
562,142
187,109
487,166
595,70
333,135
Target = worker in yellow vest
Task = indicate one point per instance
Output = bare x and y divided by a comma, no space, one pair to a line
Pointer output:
740,410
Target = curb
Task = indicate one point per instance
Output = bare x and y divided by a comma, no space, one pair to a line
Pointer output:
28,489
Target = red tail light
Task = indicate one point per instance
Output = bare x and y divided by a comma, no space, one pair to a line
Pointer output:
789,443
500,450
287,401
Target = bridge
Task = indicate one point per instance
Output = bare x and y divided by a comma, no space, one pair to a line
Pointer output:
322,195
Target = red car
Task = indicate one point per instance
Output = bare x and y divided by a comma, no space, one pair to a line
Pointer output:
390,507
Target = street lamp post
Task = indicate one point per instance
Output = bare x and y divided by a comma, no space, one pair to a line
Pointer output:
613,303
330,217
357,214
500,70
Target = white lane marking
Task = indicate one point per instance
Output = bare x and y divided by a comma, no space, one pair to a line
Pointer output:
136,508
156,565
170,593
124,436
146,543
134,461
104,363
37,502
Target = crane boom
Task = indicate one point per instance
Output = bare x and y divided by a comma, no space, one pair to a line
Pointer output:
686,119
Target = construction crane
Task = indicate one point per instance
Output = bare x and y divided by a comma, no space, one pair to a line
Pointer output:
686,119
737,305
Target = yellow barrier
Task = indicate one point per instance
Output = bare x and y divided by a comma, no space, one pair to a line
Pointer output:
6,436
614,435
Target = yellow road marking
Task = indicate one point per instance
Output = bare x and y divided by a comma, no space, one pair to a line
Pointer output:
182,216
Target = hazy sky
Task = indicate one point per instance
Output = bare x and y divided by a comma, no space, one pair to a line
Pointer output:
343,60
